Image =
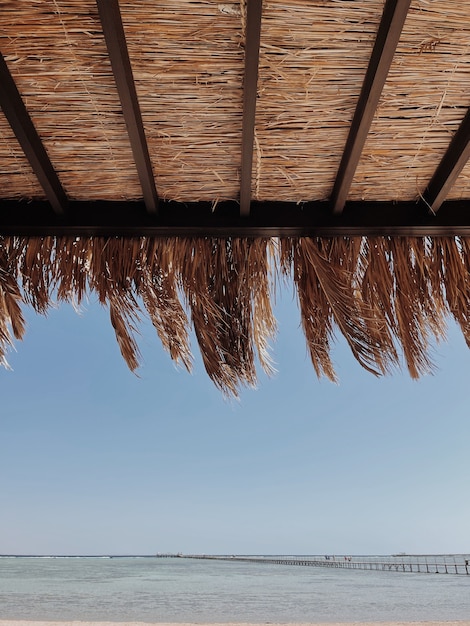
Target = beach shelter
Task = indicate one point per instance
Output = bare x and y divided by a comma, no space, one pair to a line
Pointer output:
178,158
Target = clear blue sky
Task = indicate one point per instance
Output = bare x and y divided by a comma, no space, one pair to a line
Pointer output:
96,460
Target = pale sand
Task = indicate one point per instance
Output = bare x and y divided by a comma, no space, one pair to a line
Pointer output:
77,623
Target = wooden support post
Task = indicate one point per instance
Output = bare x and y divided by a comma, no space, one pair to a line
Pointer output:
21,124
113,30
388,35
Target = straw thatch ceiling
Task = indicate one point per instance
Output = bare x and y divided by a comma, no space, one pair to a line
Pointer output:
234,122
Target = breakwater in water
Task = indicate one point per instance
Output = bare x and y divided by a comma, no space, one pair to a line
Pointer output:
420,564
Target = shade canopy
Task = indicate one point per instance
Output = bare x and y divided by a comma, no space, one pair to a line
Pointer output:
151,151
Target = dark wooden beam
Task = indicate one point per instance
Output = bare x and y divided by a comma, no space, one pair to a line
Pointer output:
388,35
110,16
254,10
450,167
266,219
18,117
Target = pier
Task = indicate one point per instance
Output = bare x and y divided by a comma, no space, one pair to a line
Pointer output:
412,564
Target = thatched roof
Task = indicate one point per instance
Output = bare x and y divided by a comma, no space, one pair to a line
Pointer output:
151,151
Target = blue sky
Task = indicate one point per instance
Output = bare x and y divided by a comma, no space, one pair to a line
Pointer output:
96,460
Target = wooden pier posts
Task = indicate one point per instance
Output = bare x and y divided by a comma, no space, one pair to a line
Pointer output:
362,563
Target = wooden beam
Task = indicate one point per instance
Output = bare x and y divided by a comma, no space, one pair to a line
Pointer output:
110,16
450,167
266,219
18,117
388,35
250,87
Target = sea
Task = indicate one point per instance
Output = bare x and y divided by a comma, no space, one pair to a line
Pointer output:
179,589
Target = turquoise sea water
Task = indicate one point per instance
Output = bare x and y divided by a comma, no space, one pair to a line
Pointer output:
186,590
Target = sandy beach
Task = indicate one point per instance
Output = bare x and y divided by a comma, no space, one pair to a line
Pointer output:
373,623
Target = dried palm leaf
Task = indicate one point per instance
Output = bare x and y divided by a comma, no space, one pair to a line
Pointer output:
385,295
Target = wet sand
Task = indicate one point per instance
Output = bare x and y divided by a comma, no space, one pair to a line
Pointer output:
372,623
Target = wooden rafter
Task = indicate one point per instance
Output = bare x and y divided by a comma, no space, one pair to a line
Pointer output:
450,166
388,35
250,86
111,21
18,117
266,219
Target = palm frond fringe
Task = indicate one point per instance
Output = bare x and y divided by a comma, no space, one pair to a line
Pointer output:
389,297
